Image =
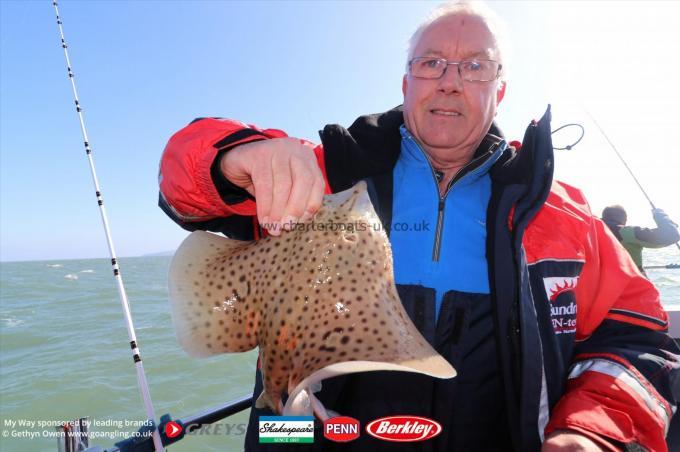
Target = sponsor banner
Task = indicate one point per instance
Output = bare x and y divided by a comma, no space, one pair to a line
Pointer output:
404,428
286,429
341,429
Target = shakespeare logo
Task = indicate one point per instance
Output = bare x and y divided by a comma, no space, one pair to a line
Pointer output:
286,429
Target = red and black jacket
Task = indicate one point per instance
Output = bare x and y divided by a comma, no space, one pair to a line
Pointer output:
579,333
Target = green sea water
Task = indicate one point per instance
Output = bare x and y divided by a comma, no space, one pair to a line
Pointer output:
64,353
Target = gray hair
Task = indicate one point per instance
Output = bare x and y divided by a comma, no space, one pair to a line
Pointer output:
470,8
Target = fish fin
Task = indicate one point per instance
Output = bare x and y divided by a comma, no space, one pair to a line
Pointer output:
305,403
300,404
315,387
266,401
263,401
361,203
354,200
434,366
301,396
319,410
208,311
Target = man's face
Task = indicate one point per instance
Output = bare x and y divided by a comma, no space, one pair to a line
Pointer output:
450,115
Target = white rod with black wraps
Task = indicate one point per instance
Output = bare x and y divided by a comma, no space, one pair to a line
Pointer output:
141,376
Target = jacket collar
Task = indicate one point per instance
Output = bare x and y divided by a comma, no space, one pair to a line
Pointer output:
371,146
374,132
412,154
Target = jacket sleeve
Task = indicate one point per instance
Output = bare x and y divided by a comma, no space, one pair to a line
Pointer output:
666,232
624,382
193,191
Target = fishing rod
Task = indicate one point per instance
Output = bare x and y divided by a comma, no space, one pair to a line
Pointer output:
136,354
668,266
630,171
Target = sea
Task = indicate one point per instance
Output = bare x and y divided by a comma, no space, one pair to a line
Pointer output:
65,354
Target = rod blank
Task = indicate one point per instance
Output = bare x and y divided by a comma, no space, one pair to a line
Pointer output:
122,295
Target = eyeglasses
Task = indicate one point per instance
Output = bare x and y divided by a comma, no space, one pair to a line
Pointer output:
469,70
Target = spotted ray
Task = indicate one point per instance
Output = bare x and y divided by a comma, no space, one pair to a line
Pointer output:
319,301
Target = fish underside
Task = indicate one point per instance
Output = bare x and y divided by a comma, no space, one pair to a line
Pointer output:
319,301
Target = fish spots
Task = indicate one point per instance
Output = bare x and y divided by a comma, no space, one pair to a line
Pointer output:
309,298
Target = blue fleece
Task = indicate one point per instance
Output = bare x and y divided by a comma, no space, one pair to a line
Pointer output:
462,260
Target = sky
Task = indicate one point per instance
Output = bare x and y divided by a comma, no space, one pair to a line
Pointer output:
144,69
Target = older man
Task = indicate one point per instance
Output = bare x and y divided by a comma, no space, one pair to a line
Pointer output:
557,338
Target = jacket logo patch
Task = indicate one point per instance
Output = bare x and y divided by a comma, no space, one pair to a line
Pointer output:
560,292
556,286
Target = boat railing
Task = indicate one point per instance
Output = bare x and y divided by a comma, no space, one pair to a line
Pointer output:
75,440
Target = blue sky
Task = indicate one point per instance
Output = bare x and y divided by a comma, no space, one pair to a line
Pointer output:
146,68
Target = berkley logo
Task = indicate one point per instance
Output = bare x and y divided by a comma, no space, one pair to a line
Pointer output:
403,428
341,429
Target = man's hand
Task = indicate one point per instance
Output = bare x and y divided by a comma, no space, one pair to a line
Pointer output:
283,176
569,441
660,216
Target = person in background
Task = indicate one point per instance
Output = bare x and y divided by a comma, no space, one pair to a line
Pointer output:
634,238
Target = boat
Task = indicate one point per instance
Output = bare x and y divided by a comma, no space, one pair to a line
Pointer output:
173,430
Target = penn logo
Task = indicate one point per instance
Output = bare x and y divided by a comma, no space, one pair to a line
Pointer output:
341,429
404,428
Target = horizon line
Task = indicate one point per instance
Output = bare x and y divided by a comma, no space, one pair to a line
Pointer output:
155,254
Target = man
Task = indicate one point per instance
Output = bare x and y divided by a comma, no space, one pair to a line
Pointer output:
558,340
634,238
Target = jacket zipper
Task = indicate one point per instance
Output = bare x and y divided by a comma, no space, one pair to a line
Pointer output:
438,230
442,200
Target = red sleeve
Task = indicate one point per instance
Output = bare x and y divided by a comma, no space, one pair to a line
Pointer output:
613,287
185,181
620,369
